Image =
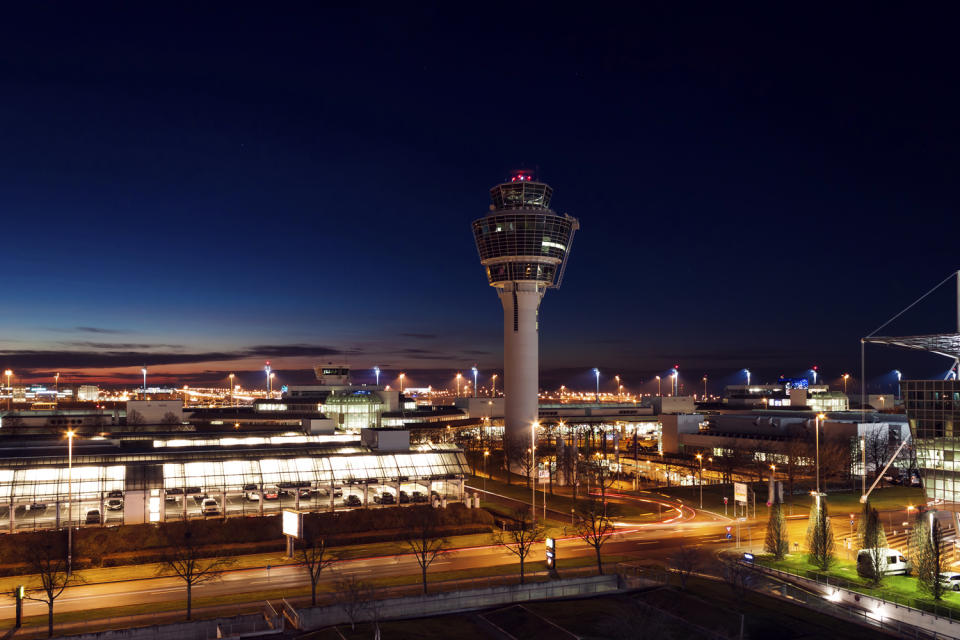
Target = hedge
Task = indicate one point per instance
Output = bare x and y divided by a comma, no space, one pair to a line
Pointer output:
143,543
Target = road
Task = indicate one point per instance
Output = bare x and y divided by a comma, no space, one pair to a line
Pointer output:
650,540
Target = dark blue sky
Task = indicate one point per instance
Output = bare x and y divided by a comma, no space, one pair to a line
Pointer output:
204,188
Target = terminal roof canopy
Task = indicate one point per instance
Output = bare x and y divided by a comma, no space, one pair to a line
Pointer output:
944,344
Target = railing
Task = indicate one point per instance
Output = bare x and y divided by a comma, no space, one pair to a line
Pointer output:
944,614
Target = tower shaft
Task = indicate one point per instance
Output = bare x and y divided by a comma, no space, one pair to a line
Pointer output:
521,357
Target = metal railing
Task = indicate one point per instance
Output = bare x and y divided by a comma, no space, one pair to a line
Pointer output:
941,613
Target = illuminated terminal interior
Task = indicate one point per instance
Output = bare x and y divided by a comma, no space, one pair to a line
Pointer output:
129,480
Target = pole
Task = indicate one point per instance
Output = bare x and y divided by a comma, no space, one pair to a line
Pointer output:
70,501
863,456
533,469
816,445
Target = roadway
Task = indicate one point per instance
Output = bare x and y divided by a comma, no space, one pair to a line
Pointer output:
648,540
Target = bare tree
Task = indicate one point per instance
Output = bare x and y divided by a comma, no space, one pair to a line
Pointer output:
425,538
353,597
520,538
797,454
48,562
593,526
737,576
685,561
314,558
134,417
184,556
170,418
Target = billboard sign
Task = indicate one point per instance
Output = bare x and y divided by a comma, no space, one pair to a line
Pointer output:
292,523
740,492
543,476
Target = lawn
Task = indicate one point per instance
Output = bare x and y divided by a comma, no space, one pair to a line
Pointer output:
559,504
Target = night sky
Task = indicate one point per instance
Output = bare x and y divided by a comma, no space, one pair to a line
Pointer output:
204,188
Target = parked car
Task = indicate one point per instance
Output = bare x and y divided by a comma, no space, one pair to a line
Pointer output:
417,496
93,516
271,493
893,563
115,494
252,496
114,504
251,487
305,494
209,507
384,498
950,580
353,500
404,497
35,506
173,495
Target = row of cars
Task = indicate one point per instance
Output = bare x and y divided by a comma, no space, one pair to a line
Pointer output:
252,493
893,563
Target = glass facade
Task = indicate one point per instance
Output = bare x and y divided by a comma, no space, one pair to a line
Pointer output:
354,410
521,195
172,481
933,409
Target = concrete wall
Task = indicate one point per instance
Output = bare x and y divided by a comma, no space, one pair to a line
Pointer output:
420,606
673,425
386,439
673,404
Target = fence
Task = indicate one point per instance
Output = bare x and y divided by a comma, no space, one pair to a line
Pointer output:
242,626
841,601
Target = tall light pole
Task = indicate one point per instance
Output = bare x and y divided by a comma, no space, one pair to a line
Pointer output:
231,376
486,454
272,376
493,386
459,376
700,460
533,469
619,388
266,370
676,382
813,370
747,371
846,377
596,372
70,434
899,378
144,372
816,445
704,388
9,373
659,390
475,372
376,372
402,376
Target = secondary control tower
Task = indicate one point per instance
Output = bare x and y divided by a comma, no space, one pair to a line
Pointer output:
523,245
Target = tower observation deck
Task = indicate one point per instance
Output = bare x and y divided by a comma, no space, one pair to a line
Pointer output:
523,245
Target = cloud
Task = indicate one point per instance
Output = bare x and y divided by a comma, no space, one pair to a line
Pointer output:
119,356
86,330
420,336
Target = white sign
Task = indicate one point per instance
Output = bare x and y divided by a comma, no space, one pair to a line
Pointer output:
740,492
544,476
292,523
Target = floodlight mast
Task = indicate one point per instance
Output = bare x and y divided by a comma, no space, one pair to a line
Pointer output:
524,246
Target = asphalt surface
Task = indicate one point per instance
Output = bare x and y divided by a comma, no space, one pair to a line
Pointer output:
649,540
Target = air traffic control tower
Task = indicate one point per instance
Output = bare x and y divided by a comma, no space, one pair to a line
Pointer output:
523,245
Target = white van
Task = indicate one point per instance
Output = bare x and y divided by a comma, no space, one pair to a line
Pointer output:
892,562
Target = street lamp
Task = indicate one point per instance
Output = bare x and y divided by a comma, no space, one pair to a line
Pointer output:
596,372
376,373
846,377
9,373
266,370
486,454
533,469
747,371
402,376
899,378
816,440
676,382
658,387
493,386
619,387
144,372
231,376
272,376
459,376
70,435
475,382
700,460
813,370
704,388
